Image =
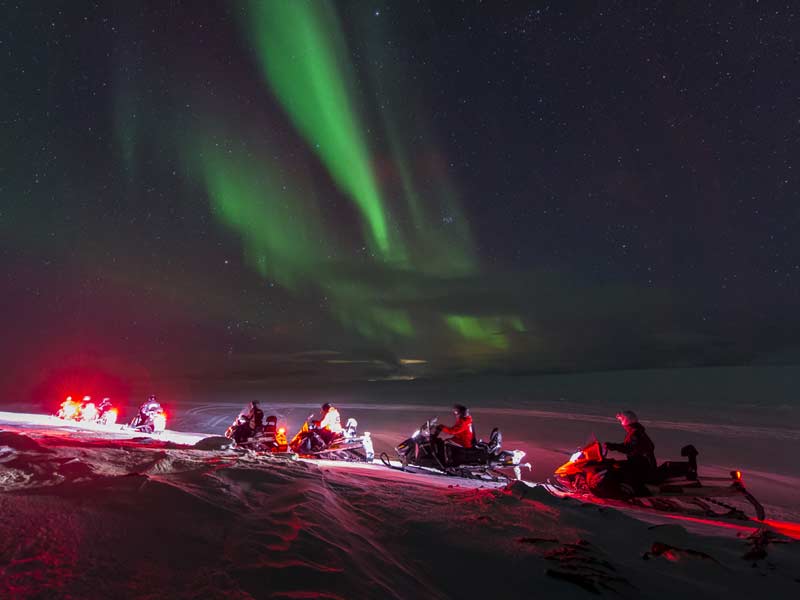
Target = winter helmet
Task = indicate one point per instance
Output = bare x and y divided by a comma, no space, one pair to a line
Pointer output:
325,408
462,410
627,417
151,398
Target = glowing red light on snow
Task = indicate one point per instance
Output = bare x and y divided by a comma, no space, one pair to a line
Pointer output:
789,529
70,409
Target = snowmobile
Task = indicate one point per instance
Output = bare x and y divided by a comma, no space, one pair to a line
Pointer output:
314,442
151,419
270,438
485,460
674,487
87,411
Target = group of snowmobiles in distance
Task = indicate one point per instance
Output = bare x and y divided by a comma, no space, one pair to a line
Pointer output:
151,417
87,411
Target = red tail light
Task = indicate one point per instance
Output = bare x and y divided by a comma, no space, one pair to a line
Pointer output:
737,475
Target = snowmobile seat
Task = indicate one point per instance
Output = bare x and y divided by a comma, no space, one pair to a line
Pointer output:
691,453
271,427
673,469
455,454
492,447
495,441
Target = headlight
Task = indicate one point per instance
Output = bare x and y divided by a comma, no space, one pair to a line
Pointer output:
415,434
577,456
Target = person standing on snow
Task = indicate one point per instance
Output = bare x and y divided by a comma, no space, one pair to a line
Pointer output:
637,447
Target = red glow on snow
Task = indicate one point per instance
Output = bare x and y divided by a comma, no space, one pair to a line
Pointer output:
713,523
788,529
671,556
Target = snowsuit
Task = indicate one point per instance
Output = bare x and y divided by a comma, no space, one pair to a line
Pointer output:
639,449
256,419
332,421
146,413
461,431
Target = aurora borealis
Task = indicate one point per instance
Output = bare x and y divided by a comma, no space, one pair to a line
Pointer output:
300,47
351,190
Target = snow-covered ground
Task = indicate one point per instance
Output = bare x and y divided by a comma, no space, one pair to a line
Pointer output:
100,513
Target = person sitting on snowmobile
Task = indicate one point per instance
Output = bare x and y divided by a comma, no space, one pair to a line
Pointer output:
255,417
462,432
239,431
638,447
146,411
448,450
331,423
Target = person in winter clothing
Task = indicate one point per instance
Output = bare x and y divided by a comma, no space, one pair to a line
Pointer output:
637,447
331,419
147,412
330,426
255,417
462,431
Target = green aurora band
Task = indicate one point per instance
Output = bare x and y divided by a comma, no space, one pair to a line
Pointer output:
284,239
302,57
416,237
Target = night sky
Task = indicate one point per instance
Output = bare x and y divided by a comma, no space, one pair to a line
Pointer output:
295,191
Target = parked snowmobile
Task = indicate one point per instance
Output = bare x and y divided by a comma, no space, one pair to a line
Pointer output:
270,438
150,419
485,460
675,486
103,413
314,442
87,411
239,431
